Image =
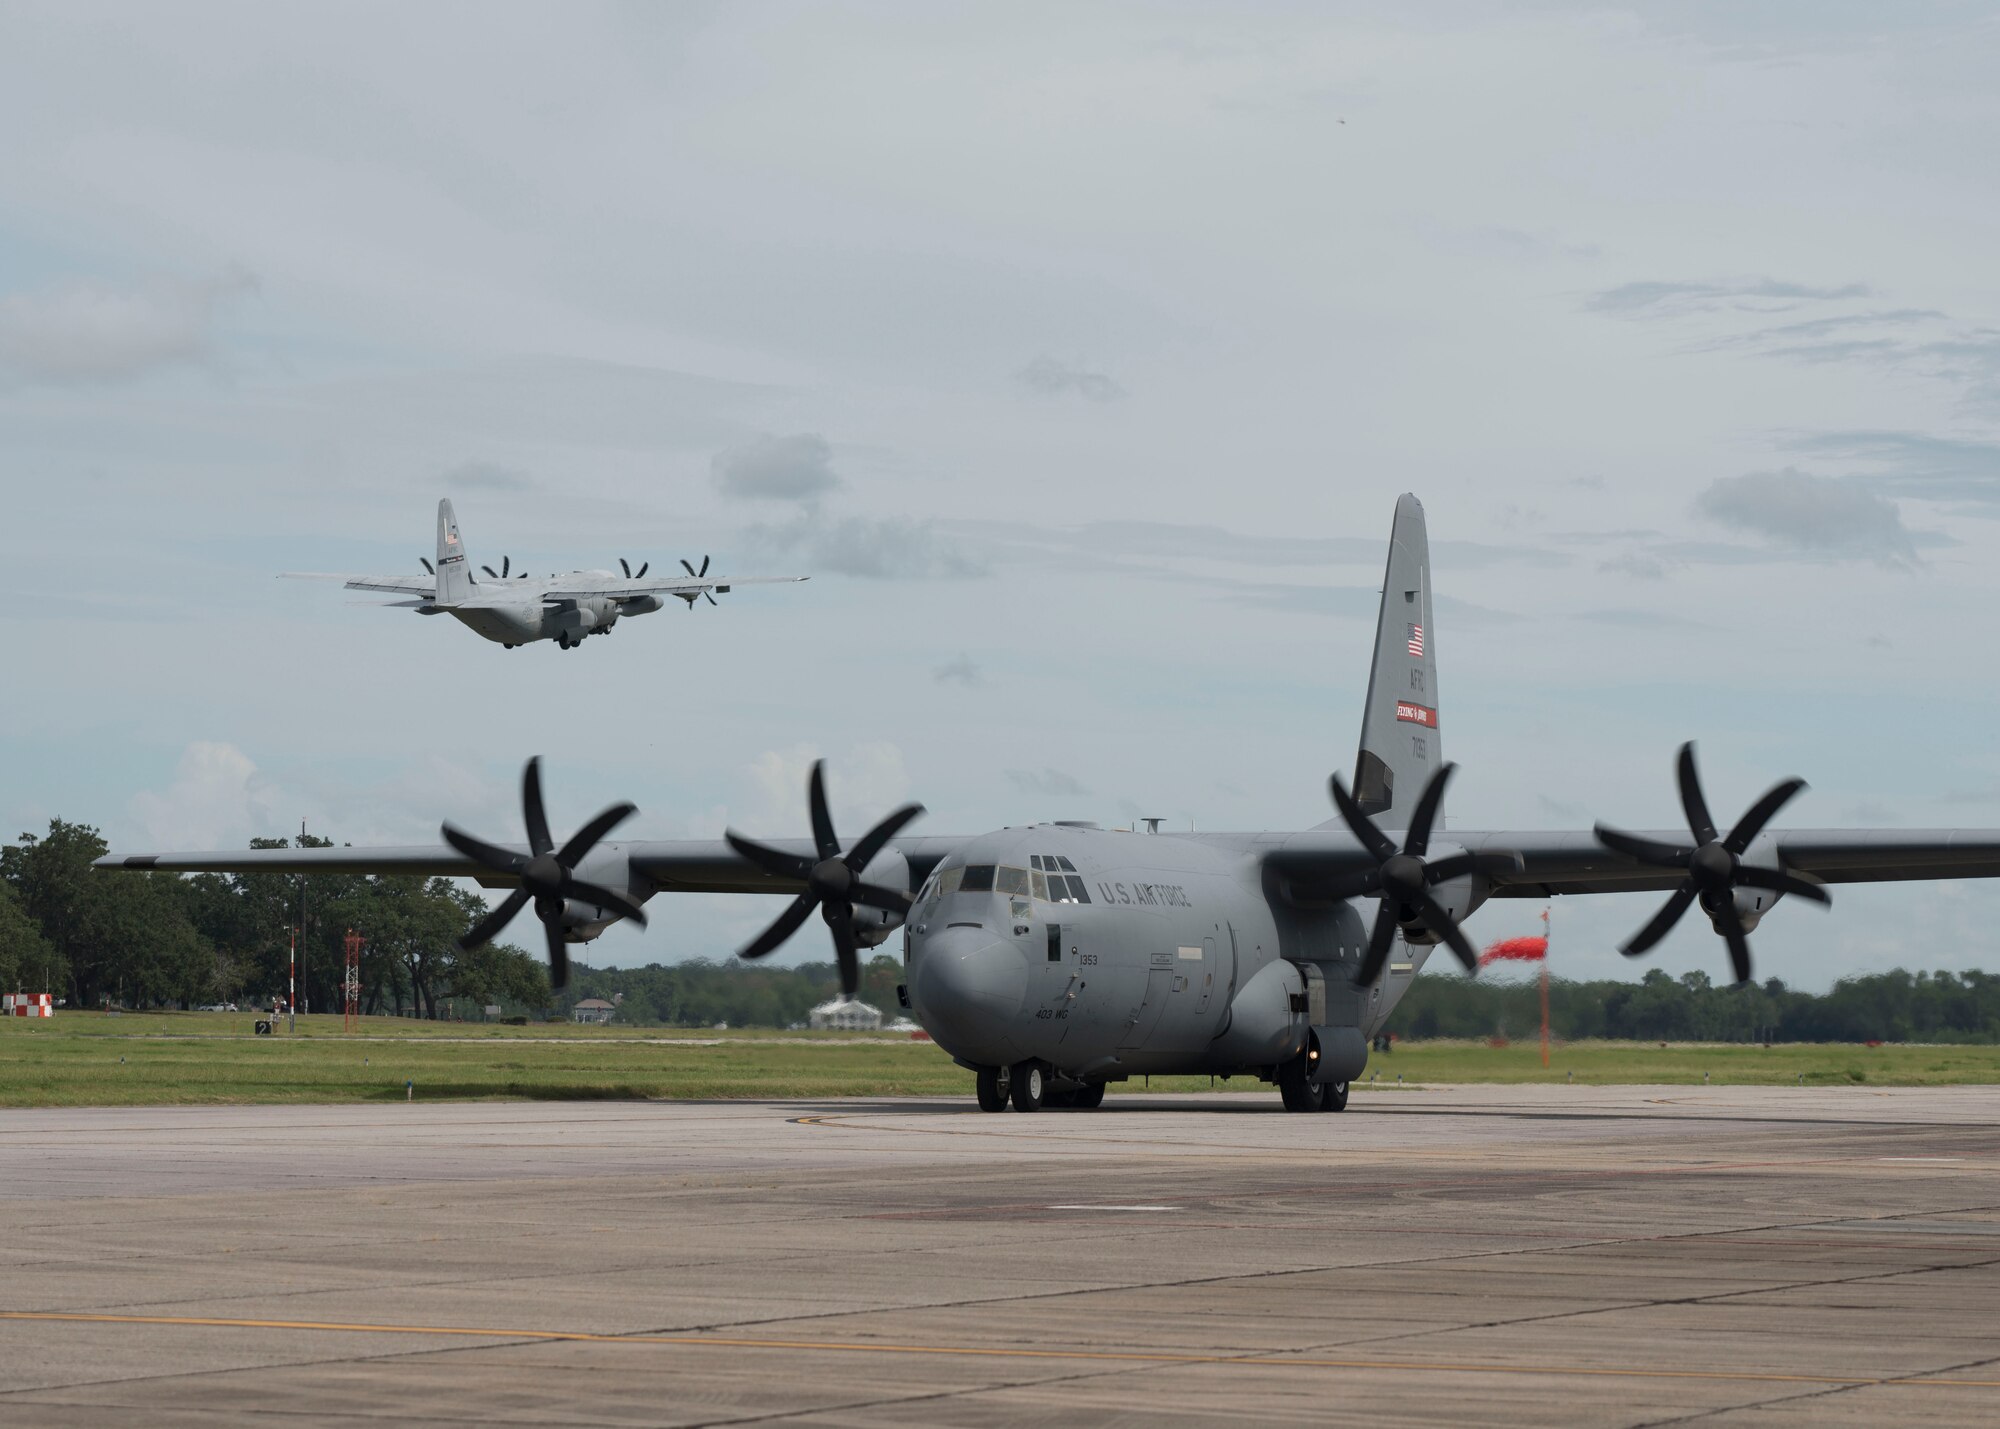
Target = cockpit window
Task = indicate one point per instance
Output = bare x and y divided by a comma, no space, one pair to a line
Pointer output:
1011,880
978,878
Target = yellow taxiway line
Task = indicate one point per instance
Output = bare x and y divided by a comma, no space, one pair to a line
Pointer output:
1258,1360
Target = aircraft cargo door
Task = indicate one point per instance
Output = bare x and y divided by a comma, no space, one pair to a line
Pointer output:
1159,987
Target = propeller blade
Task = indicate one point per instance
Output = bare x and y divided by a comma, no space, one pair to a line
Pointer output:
1487,864
585,839
1439,920
625,566
503,566
782,927
1778,881
490,571
704,568
1760,813
705,596
1644,850
603,897
1418,839
688,566
1692,803
877,838
771,860
644,566
1384,933
488,928
427,564
558,953
874,895
1372,838
824,838
1738,940
1662,921
484,854
845,952
531,808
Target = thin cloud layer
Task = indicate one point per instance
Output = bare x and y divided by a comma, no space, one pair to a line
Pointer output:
1052,377
1671,299
793,468
87,332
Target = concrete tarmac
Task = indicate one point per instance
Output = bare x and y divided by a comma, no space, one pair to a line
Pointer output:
1475,1255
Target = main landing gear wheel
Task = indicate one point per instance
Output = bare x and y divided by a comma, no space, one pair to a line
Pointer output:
1333,1096
1088,1097
1295,1086
992,1084
1029,1084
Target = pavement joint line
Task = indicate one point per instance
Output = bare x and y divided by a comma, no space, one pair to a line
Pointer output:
1261,1360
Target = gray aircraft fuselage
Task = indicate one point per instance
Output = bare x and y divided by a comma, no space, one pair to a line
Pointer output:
1157,953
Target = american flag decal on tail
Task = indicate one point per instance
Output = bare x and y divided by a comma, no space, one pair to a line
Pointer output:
1417,641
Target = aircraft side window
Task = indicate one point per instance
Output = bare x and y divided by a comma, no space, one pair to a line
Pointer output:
1077,892
947,883
1064,864
978,878
1011,880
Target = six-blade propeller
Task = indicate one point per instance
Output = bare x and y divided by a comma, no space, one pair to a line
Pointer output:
1402,878
547,874
1714,866
832,881
697,574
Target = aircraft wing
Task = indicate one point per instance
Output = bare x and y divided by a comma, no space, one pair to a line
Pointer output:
1575,862
425,586
584,587
682,866
427,860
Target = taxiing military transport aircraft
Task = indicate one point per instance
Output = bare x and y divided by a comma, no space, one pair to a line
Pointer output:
1053,958
513,608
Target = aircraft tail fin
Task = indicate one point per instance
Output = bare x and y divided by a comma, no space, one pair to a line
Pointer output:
454,574
1400,744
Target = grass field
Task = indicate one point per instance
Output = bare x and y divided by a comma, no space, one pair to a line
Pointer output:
89,1059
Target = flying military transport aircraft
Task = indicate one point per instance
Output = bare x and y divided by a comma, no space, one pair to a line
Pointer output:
513,608
1054,958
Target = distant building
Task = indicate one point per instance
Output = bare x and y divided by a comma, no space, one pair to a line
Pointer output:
844,1015
593,1009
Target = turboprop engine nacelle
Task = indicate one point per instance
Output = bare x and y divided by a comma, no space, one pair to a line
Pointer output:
1459,896
641,604
1751,906
872,926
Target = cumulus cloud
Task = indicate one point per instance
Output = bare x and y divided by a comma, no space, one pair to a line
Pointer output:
793,468
1656,299
891,548
95,332
1052,377
1824,514
1052,782
217,800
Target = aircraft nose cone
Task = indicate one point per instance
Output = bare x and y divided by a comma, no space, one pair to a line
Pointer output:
968,988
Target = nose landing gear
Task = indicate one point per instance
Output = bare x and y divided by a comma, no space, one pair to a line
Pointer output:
1027,1086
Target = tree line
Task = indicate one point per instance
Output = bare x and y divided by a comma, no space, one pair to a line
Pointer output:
1896,1006
168,940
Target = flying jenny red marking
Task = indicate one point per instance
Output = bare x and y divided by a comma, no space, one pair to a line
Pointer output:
1417,714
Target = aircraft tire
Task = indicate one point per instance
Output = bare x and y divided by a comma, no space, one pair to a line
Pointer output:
1298,1092
992,1084
1089,1097
1333,1096
1029,1084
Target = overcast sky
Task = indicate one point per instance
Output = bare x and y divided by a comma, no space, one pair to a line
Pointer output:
1077,352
